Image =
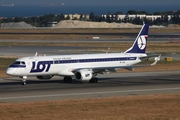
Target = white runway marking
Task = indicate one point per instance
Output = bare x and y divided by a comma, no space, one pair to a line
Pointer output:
88,93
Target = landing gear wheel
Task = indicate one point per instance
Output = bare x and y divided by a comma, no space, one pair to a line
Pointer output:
93,80
23,80
67,79
23,83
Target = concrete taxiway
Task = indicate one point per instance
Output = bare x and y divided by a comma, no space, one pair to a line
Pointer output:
118,84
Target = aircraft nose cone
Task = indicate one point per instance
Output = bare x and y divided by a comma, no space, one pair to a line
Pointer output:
10,71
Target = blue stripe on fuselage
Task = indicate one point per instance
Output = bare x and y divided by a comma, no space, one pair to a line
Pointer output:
94,60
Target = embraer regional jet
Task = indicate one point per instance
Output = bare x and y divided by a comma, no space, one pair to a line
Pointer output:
83,67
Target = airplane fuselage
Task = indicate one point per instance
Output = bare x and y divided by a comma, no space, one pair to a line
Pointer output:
64,65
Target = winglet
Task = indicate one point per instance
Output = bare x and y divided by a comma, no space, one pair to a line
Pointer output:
156,59
139,45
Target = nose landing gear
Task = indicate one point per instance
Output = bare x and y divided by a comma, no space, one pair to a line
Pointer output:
23,80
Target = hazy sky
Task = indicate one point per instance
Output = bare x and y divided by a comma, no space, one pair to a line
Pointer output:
93,2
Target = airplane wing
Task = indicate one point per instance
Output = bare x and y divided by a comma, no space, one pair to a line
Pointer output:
104,70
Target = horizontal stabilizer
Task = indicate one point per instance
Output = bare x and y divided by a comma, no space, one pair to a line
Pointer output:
156,59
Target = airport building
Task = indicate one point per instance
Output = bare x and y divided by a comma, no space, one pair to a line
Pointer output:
150,17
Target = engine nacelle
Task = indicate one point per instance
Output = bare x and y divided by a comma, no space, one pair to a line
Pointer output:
83,75
44,77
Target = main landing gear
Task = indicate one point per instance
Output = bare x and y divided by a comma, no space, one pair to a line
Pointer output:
93,80
67,79
23,80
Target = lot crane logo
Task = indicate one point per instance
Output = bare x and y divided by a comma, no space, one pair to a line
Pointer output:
142,42
87,75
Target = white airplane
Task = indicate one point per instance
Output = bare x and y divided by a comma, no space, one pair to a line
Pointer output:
84,67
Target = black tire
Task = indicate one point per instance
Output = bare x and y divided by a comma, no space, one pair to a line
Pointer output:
93,80
67,79
23,83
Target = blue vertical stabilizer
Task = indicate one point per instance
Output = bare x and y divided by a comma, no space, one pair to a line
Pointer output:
140,43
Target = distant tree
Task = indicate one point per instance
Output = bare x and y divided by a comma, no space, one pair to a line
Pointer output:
176,17
96,18
157,13
91,16
118,13
6,20
81,17
164,20
148,21
17,19
108,18
62,16
112,18
143,12
102,18
116,18
68,17
157,21
130,12
137,20
126,19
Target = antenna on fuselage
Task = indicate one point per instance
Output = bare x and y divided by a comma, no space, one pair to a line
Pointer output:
36,54
108,49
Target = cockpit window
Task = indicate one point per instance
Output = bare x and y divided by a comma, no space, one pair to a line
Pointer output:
19,63
16,62
23,63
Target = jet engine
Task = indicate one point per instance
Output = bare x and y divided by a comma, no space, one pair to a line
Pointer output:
83,75
44,77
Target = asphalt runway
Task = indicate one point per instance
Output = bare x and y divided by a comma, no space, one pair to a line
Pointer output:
22,51
100,40
131,35
118,84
